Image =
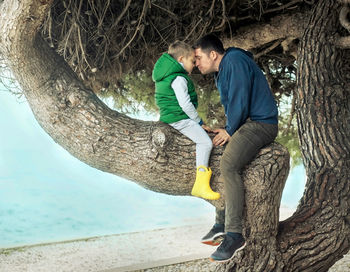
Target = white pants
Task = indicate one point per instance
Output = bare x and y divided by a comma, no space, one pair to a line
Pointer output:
197,134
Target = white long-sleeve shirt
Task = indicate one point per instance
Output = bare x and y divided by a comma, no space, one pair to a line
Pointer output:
179,86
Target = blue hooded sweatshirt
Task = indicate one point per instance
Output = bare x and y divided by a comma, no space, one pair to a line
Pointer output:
244,91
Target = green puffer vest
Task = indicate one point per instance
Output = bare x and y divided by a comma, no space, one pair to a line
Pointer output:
165,71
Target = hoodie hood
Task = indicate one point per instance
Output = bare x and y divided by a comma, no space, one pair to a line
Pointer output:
165,66
232,49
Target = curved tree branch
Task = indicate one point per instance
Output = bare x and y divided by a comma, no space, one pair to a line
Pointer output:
121,15
138,28
224,19
270,48
149,153
280,27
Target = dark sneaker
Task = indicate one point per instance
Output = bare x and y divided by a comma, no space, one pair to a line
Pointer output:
228,248
214,236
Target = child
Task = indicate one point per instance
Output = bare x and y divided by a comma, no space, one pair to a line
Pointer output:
177,103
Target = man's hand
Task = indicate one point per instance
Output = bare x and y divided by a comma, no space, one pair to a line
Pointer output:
206,128
221,137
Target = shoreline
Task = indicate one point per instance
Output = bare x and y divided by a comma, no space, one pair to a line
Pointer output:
285,212
168,249
109,252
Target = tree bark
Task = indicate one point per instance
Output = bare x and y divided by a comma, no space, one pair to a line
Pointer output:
281,27
318,233
151,153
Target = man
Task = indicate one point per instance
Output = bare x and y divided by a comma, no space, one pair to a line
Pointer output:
251,123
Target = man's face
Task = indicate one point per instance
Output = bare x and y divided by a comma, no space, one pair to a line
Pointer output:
204,62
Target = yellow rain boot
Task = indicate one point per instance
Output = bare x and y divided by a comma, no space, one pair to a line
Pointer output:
201,187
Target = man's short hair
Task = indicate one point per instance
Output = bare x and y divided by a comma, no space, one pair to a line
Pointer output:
180,48
210,43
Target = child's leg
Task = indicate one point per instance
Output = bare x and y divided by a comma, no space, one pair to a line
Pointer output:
197,134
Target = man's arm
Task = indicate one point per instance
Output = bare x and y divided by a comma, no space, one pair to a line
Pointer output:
237,89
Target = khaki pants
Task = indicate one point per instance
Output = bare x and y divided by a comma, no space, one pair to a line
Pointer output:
243,146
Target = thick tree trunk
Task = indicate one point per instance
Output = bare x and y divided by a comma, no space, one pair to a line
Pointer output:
151,153
317,235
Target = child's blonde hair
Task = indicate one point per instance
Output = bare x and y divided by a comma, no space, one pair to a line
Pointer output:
179,48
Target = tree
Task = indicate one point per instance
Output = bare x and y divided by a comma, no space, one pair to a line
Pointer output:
150,153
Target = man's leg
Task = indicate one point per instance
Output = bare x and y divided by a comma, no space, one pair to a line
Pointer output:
220,216
215,236
241,149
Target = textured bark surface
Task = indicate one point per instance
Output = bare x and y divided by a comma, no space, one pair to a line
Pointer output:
279,28
150,153
157,157
318,234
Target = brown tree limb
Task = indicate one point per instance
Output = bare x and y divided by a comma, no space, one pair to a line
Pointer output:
280,27
224,19
151,153
286,6
139,26
77,120
116,22
270,48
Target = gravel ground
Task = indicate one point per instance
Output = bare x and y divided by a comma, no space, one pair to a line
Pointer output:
342,265
121,252
193,266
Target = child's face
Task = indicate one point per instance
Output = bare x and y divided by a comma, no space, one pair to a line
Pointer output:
189,62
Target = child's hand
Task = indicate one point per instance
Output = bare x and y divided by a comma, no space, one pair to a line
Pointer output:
206,128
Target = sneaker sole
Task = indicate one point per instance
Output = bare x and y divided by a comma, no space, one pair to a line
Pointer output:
215,241
211,243
234,254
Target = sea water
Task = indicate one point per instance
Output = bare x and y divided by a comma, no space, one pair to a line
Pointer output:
47,195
